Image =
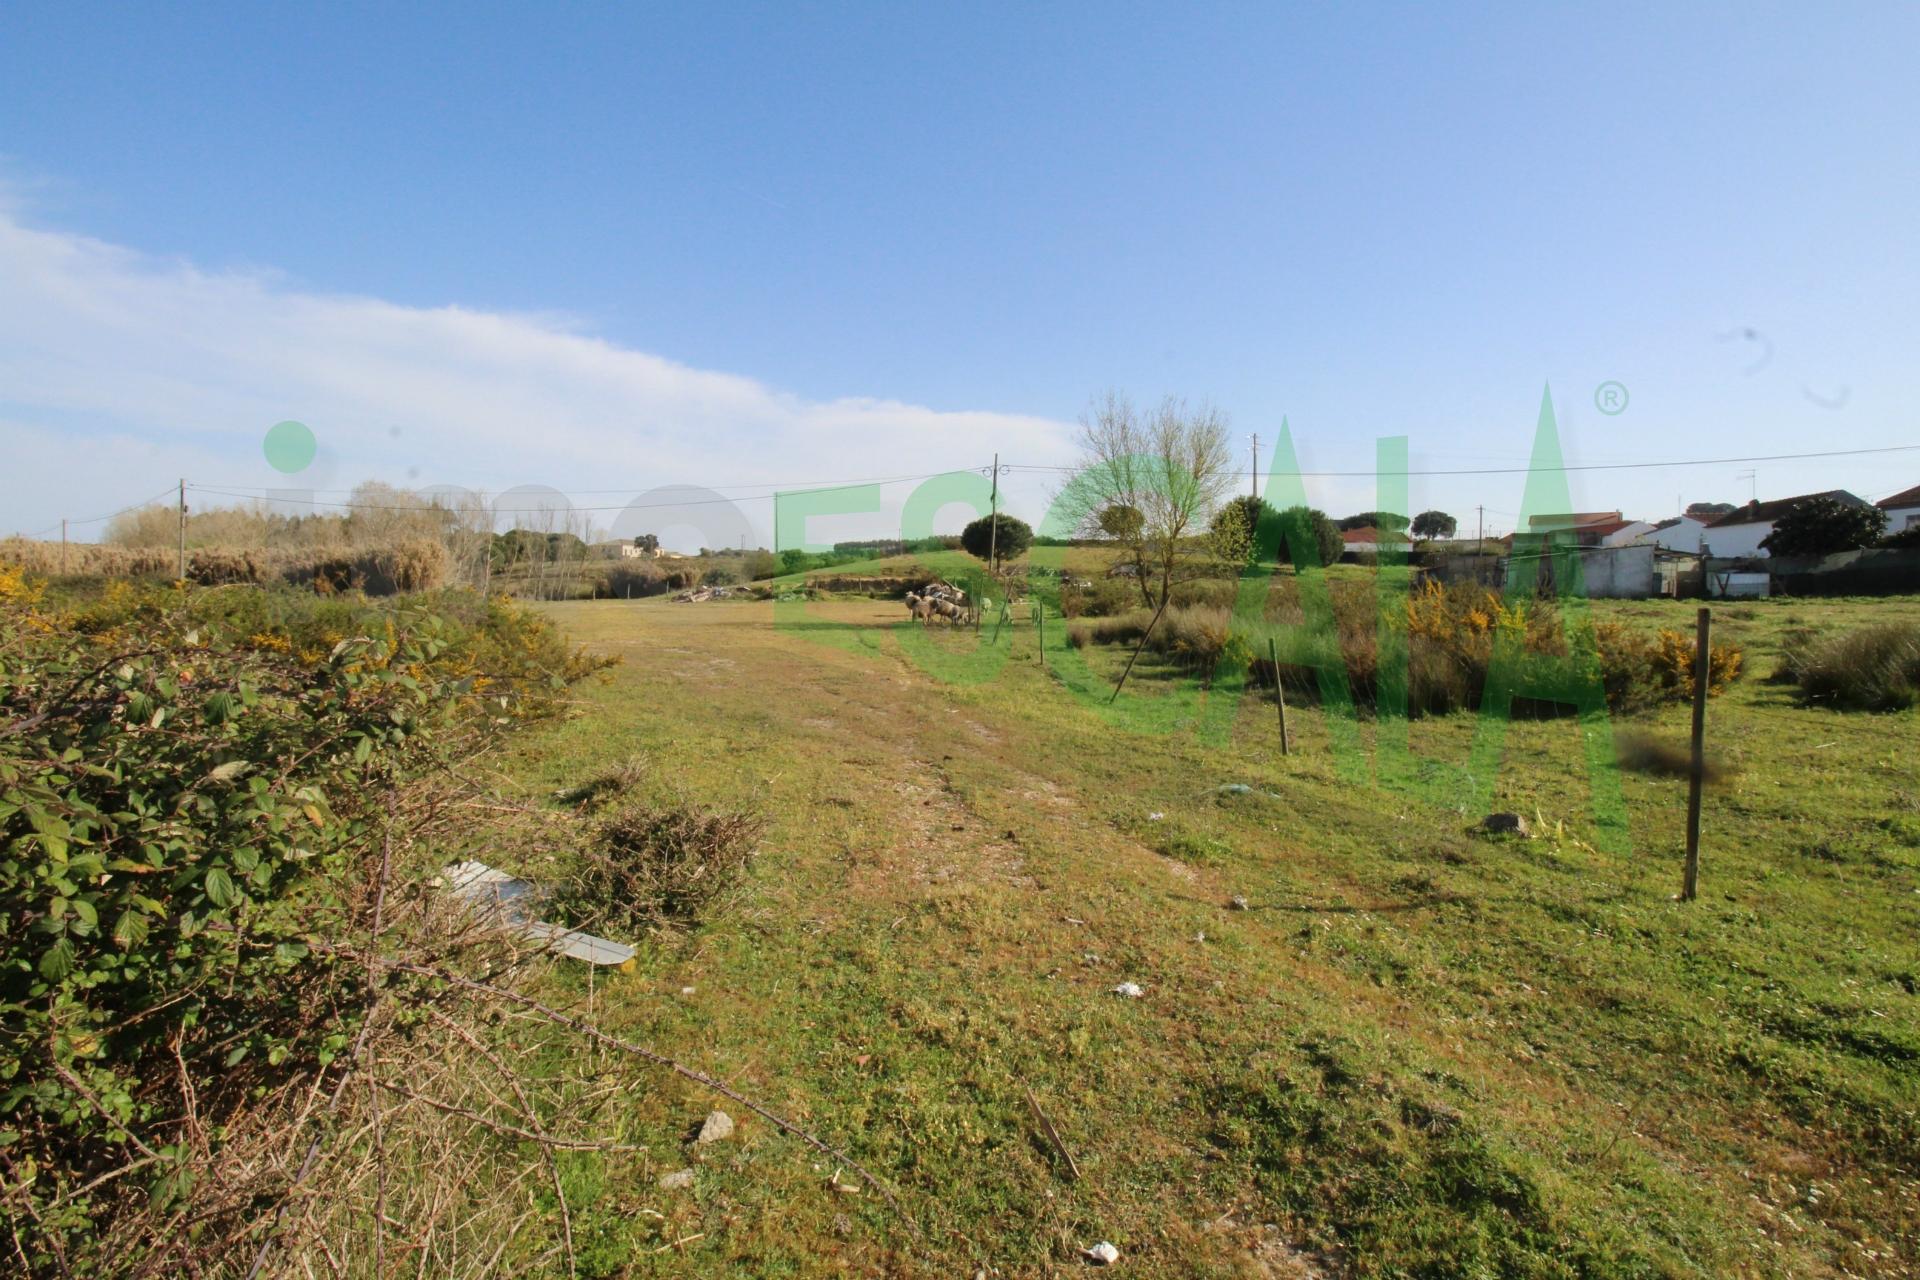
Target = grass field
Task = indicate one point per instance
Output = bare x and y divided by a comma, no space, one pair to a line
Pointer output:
1418,1052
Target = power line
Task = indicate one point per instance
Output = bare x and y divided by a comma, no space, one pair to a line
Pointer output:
217,486
1587,466
259,495
557,506
144,502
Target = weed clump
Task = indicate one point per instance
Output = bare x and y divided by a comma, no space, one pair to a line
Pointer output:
1430,655
660,866
1873,669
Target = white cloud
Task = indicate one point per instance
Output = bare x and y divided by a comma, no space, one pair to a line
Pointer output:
119,371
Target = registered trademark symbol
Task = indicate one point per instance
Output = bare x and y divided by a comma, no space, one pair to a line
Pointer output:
1610,398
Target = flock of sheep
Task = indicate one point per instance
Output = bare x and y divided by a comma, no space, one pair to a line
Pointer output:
938,600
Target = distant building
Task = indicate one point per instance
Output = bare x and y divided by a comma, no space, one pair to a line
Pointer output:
1588,528
1738,535
1366,541
1903,509
1679,533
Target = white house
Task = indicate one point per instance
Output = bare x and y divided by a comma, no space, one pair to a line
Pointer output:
1738,534
1903,509
1627,534
1679,533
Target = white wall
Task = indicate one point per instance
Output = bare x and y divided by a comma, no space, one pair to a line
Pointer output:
1899,518
1684,536
1736,540
1623,572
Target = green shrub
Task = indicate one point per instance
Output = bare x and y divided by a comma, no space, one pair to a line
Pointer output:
190,789
630,580
1101,598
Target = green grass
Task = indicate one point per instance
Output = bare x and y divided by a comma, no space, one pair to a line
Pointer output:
1419,1053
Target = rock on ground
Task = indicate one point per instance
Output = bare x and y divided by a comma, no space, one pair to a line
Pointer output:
718,1126
1506,824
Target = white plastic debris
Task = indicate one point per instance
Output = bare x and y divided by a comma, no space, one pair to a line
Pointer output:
1238,903
717,1126
514,901
1102,1254
1131,990
1155,816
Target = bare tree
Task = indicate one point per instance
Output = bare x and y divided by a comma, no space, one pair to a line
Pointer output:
1150,481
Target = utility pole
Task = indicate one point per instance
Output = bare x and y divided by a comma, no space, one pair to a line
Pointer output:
63,546
993,529
1482,539
993,534
1255,472
183,528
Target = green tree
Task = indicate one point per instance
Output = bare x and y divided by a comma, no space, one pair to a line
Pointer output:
1236,524
1822,526
1010,542
1434,524
1907,537
1120,522
1305,527
1382,520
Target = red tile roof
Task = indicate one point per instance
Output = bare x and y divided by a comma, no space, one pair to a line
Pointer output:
1582,520
1905,498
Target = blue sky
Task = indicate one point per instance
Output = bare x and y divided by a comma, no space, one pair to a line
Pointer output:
602,248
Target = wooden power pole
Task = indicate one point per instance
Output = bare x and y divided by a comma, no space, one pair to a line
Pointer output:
1696,775
993,526
183,528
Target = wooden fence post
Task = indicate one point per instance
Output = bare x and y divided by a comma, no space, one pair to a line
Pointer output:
1279,695
1040,616
1696,775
